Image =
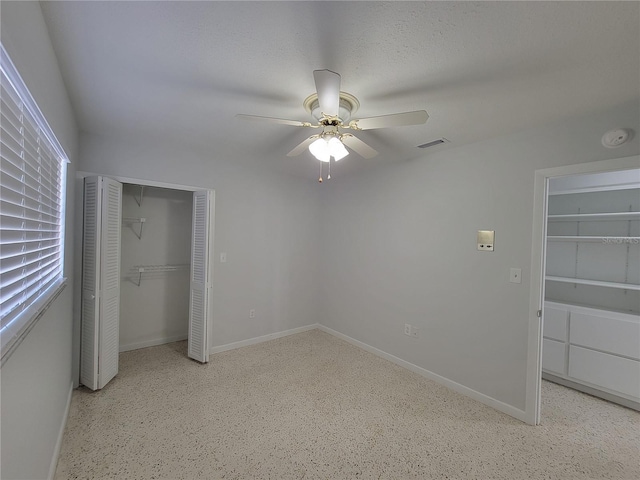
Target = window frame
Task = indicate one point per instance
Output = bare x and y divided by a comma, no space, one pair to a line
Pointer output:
14,332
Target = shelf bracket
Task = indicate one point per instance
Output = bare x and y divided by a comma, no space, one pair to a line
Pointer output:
142,220
131,222
139,202
140,272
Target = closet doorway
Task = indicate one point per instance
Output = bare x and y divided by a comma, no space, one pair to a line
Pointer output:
146,271
585,322
591,315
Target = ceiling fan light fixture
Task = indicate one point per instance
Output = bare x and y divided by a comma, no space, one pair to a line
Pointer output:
320,150
324,149
337,149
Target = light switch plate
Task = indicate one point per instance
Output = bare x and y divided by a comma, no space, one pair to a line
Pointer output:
223,257
485,240
515,275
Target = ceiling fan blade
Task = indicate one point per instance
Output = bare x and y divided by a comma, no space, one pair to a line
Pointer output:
328,88
282,121
394,120
358,146
302,146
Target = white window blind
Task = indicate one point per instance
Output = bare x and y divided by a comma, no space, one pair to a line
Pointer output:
32,189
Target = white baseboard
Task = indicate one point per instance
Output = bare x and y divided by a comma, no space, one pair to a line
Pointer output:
469,392
63,424
456,387
151,343
263,338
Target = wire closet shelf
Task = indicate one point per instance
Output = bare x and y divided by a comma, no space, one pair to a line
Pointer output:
137,271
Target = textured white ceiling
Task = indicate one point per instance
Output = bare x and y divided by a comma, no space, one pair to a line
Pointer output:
182,70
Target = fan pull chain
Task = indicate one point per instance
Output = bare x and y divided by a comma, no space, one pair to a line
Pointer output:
320,178
329,175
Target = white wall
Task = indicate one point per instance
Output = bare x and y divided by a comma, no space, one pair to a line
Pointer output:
156,311
267,223
399,246
36,379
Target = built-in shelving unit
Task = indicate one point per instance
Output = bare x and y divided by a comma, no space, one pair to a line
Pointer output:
591,324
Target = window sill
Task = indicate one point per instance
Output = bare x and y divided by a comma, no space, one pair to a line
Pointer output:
16,332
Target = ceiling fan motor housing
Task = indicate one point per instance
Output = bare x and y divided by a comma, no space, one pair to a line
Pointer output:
348,106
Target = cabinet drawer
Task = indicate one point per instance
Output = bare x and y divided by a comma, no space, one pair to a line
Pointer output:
553,356
555,323
619,335
601,369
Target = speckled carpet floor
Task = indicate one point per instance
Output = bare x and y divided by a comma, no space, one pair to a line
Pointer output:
311,406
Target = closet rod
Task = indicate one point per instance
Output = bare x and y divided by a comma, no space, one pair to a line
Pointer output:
140,269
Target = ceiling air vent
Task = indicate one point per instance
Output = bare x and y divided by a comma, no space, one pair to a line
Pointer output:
434,143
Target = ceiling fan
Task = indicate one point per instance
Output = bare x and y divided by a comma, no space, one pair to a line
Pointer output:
332,110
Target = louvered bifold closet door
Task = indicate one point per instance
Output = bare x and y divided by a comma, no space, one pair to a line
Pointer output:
100,281
31,207
109,341
200,281
90,282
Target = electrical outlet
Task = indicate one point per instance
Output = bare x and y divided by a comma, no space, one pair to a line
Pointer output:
252,313
414,332
407,329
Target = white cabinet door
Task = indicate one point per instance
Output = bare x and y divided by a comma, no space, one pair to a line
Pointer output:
555,322
198,348
100,281
610,332
615,373
554,356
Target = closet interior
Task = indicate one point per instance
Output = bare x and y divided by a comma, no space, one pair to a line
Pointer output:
146,272
591,328
155,264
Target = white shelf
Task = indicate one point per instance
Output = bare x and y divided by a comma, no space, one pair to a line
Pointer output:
597,283
600,239
580,217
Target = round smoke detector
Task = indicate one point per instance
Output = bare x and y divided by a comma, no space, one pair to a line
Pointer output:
616,138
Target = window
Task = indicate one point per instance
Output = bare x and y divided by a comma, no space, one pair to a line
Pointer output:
32,190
